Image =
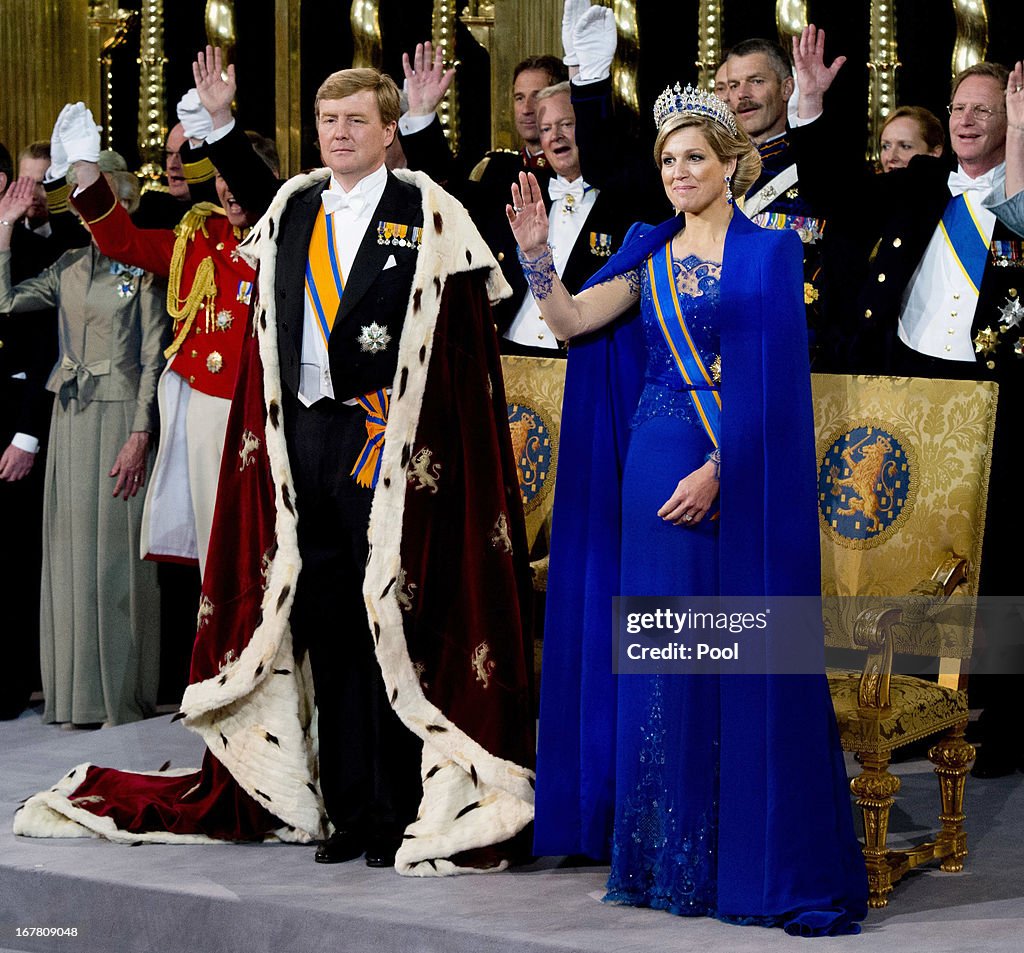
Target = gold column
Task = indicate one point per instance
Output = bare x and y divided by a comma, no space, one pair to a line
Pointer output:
882,66
442,31
971,33
627,56
366,33
709,42
520,30
287,107
119,24
47,58
790,20
220,27
152,92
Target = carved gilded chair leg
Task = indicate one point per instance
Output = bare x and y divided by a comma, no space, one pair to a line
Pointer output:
875,789
952,756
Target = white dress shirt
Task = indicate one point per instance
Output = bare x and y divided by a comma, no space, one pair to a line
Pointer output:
352,213
939,302
564,227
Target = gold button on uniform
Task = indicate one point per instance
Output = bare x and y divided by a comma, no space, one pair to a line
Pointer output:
867,314
952,314
956,295
501,256
1,343
881,278
195,353
192,378
948,348
896,242
220,246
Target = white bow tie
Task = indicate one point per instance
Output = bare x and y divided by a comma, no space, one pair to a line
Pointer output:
959,183
558,189
336,201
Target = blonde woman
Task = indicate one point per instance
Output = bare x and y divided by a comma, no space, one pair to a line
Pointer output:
687,469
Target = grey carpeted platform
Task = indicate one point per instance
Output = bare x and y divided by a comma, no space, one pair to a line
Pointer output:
274,899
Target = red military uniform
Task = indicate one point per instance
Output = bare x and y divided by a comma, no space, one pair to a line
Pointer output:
209,284
208,292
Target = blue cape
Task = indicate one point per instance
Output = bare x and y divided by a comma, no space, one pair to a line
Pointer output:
778,733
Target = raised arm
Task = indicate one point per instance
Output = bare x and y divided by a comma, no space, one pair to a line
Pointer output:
567,315
1015,134
34,294
813,77
252,183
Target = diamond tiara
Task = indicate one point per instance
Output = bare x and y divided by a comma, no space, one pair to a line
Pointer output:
693,102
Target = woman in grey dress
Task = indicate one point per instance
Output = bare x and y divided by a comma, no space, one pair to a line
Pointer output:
99,609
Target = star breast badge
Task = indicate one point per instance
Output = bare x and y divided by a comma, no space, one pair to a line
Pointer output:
1011,314
374,338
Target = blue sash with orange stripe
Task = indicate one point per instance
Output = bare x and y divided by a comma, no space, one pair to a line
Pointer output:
703,392
965,238
324,282
367,467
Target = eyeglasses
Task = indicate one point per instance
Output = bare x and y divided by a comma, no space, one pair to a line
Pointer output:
980,113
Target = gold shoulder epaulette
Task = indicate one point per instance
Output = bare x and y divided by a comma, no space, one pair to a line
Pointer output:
478,170
194,220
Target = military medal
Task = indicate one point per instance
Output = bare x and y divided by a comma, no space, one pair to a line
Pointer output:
1007,254
125,275
985,341
600,244
1011,314
405,236
223,320
374,338
214,362
244,292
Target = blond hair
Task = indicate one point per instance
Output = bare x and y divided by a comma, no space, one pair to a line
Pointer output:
723,142
348,82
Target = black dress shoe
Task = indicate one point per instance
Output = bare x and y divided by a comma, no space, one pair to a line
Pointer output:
381,850
339,847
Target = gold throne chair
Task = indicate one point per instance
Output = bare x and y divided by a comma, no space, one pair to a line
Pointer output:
903,470
533,392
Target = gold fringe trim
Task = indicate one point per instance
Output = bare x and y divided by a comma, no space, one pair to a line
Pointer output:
203,292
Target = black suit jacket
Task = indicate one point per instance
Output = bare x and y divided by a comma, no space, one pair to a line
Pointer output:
610,215
373,293
883,224
28,344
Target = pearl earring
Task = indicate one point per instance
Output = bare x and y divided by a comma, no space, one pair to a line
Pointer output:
728,189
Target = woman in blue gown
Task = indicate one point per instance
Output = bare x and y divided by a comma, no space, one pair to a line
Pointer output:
686,468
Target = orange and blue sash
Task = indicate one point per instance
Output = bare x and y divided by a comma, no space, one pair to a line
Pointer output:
324,281
965,238
367,466
703,392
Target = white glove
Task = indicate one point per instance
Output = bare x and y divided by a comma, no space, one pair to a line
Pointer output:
58,154
194,118
594,41
79,134
571,13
